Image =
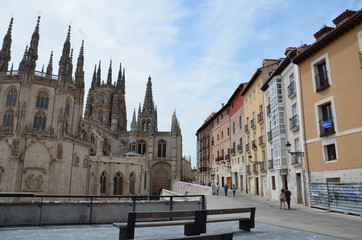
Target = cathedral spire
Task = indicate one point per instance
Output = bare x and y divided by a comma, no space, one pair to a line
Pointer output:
134,122
22,63
65,53
109,77
119,78
98,78
94,79
32,54
5,53
49,72
148,105
79,72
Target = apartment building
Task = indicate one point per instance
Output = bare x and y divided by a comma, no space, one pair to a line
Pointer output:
331,83
255,134
282,101
237,138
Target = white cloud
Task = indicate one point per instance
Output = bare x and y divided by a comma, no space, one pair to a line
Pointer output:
197,52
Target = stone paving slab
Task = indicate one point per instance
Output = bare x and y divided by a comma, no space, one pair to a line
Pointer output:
105,232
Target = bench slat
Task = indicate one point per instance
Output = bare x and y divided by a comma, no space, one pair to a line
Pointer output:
156,223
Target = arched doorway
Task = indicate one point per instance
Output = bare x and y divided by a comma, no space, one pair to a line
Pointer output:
132,184
161,177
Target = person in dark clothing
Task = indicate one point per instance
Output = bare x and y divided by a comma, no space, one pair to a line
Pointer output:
287,197
226,189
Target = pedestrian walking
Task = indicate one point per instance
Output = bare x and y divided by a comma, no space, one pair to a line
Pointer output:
282,198
217,187
287,197
234,189
226,189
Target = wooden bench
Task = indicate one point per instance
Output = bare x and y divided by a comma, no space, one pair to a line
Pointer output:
194,221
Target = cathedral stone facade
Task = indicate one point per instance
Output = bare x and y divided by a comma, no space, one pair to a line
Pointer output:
47,146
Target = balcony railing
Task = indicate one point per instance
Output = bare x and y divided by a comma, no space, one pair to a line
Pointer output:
326,127
227,157
253,144
291,89
296,159
321,81
232,151
248,169
294,123
270,135
247,147
246,128
263,166
240,148
261,141
255,167
270,164
268,109
252,123
260,117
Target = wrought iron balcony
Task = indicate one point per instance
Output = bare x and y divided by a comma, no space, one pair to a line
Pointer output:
253,144
296,159
294,123
321,80
247,147
260,117
270,164
263,167
240,148
261,141
248,169
291,89
252,123
232,151
326,127
270,135
268,109
246,128
256,167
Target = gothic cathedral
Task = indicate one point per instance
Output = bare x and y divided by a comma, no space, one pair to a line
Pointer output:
47,145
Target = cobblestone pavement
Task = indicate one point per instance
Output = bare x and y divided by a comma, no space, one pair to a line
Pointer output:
271,223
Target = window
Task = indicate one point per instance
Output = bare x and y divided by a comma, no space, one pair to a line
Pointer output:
39,120
118,184
142,147
233,127
11,98
273,182
8,119
228,131
161,149
42,100
103,182
67,107
321,75
240,123
330,152
326,120
100,116
102,98
291,87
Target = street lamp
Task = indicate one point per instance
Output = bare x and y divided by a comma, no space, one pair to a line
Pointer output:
298,154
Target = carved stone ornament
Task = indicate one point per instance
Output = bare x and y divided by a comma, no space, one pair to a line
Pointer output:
15,147
34,183
60,151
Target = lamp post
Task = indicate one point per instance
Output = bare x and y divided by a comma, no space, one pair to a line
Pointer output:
298,154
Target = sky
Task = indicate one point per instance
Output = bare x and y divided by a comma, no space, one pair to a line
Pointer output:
197,52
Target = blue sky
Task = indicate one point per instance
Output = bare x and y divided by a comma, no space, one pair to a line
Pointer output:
196,51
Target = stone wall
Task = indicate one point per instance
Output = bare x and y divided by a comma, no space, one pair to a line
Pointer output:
190,188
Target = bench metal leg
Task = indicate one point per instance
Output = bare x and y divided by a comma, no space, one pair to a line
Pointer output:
122,234
245,225
191,230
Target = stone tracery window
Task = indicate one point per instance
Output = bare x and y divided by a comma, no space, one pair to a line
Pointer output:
39,120
11,98
142,147
161,149
103,182
42,100
8,119
118,184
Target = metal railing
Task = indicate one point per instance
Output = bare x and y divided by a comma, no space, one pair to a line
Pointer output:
321,80
294,123
260,117
41,200
291,89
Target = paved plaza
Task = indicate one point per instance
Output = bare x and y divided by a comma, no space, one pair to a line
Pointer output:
271,223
